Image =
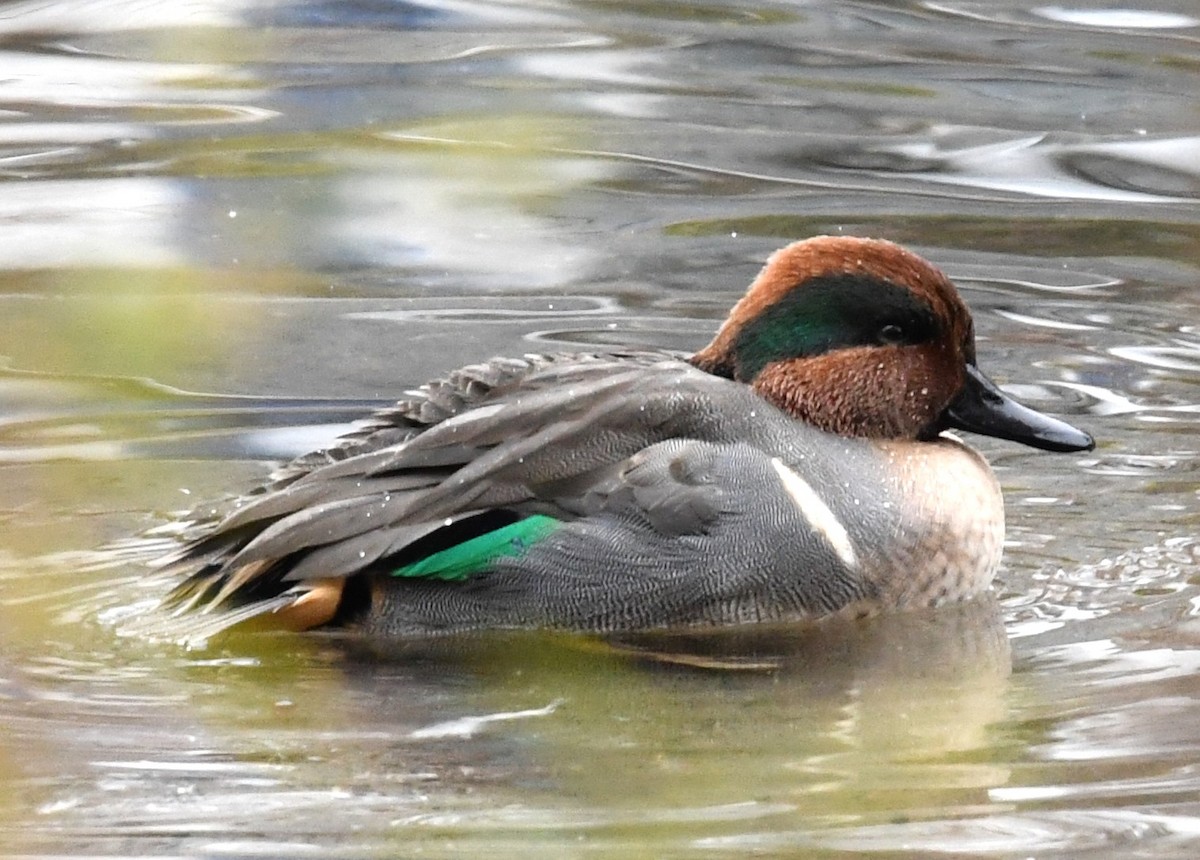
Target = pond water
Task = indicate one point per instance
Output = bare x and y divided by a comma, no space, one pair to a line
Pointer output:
228,227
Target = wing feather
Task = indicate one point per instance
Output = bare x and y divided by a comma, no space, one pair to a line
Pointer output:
538,435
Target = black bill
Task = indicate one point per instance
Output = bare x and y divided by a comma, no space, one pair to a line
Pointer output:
981,407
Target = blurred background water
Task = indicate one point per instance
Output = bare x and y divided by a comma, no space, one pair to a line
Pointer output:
228,227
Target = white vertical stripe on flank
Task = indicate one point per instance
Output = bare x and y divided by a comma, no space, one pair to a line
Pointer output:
817,513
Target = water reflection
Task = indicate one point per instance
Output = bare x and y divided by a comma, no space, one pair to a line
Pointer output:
64,223
850,716
1149,171
453,208
93,16
1138,19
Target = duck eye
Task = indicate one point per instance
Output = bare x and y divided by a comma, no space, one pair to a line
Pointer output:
891,335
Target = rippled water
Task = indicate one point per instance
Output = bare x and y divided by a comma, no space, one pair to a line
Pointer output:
227,228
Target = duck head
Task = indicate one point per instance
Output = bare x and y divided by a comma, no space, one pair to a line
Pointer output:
862,338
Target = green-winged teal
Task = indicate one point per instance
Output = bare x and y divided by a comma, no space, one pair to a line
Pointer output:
794,467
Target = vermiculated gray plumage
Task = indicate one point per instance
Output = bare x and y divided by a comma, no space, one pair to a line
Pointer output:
668,464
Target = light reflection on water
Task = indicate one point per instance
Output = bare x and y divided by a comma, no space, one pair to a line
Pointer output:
230,227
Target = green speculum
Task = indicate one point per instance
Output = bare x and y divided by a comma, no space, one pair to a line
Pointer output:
475,555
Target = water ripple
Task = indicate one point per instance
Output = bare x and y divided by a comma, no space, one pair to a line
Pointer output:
1184,356
1124,19
1042,166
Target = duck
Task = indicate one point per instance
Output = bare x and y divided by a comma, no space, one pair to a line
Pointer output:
801,465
